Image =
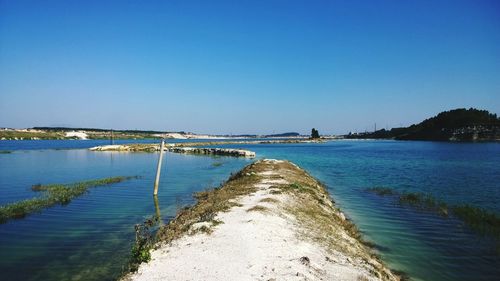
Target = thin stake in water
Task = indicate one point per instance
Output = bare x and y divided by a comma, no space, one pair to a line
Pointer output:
158,170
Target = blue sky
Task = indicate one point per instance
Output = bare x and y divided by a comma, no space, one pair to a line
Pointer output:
245,66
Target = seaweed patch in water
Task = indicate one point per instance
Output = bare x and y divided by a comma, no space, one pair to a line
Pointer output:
424,201
478,219
53,194
382,191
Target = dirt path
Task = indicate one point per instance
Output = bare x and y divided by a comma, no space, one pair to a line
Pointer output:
272,221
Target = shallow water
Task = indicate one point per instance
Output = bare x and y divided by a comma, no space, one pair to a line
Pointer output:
423,244
90,238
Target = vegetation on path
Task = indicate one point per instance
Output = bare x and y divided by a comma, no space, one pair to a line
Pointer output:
271,188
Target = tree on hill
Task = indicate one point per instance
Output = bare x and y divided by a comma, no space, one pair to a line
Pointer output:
314,134
458,124
462,122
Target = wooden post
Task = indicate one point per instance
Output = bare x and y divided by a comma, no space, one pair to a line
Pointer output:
157,180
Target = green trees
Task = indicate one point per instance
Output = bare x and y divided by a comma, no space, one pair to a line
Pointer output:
459,125
314,134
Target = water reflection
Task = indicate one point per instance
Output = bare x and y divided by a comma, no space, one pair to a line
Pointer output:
157,210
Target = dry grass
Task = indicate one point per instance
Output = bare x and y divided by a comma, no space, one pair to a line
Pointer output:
269,200
210,202
275,192
258,208
318,218
362,278
315,213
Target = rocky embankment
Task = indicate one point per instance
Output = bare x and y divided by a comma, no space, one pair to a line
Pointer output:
270,221
187,150
193,147
150,147
214,151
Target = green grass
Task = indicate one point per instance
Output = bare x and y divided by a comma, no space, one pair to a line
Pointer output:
54,194
297,187
144,242
29,135
478,219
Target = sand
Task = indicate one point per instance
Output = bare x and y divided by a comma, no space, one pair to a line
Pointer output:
255,245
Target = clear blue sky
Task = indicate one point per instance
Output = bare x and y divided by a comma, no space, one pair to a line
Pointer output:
245,66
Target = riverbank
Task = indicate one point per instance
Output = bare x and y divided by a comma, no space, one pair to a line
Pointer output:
270,221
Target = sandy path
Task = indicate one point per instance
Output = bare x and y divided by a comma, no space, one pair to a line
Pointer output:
252,245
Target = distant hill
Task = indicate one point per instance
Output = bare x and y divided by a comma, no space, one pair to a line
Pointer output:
283,135
454,125
56,129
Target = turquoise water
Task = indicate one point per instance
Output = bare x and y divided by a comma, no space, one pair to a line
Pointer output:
90,238
423,244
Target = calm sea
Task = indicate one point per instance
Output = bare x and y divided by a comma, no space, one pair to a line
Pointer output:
90,238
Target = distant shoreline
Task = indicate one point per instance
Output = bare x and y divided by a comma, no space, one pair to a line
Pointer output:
101,134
